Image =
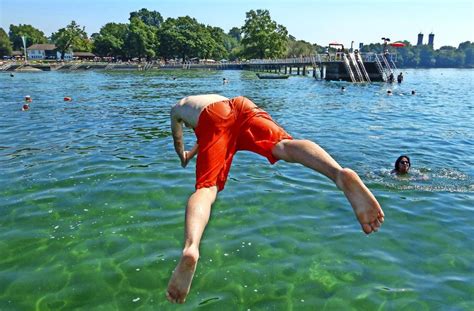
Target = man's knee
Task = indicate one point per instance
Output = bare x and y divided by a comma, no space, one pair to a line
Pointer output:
206,194
280,150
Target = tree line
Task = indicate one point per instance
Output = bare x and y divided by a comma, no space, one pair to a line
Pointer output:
147,36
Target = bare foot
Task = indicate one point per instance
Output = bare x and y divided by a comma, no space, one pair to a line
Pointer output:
365,205
180,282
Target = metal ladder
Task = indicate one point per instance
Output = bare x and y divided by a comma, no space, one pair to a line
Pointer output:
74,66
6,67
387,65
356,66
148,66
109,66
382,71
348,67
358,57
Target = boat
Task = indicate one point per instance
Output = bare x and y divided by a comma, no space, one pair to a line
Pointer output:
271,76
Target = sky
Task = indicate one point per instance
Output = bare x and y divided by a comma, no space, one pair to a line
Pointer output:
315,21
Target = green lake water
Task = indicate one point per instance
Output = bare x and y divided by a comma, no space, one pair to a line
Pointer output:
93,196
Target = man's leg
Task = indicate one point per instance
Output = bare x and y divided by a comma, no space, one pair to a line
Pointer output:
367,209
198,211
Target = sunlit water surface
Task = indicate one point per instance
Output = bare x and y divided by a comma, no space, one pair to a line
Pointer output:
93,196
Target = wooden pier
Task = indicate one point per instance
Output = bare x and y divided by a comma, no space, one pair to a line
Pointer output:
352,67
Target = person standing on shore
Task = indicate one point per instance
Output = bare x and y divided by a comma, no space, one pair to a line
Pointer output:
224,126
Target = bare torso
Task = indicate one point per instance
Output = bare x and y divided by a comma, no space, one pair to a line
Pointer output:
188,109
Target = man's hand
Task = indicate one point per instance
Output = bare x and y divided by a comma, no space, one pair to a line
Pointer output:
184,158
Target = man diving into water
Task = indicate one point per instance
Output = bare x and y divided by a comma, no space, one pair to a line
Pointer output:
224,126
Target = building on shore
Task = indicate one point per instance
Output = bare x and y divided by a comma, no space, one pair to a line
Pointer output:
420,39
87,56
46,51
431,39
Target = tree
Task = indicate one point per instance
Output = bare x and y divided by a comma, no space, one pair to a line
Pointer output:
33,36
221,43
449,57
140,40
427,56
468,49
235,33
5,44
69,36
185,38
110,40
299,48
263,37
150,18
83,45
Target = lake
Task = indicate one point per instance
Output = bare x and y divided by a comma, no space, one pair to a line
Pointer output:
93,195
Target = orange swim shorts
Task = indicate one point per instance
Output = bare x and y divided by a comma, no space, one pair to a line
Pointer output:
228,126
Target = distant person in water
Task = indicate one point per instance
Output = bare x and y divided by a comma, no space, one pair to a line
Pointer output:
390,78
402,165
400,78
389,92
413,92
224,126
343,89
225,81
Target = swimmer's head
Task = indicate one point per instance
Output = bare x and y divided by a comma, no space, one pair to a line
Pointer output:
402,164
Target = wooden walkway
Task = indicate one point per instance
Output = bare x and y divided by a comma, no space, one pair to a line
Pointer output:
364,67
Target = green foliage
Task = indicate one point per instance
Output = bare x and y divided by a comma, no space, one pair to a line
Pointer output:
148,36
299,48
150,18
185,38
221,43
5,44
263,37
141,40
72,36
232,47
426,57
236,33
468,49
110,40
84,45
449,57
33,36
178,38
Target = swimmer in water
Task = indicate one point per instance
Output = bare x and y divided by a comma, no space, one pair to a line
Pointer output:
402,165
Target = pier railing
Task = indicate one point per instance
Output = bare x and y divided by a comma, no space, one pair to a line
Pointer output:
313,60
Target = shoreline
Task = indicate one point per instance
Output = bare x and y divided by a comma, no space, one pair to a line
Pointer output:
73,66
